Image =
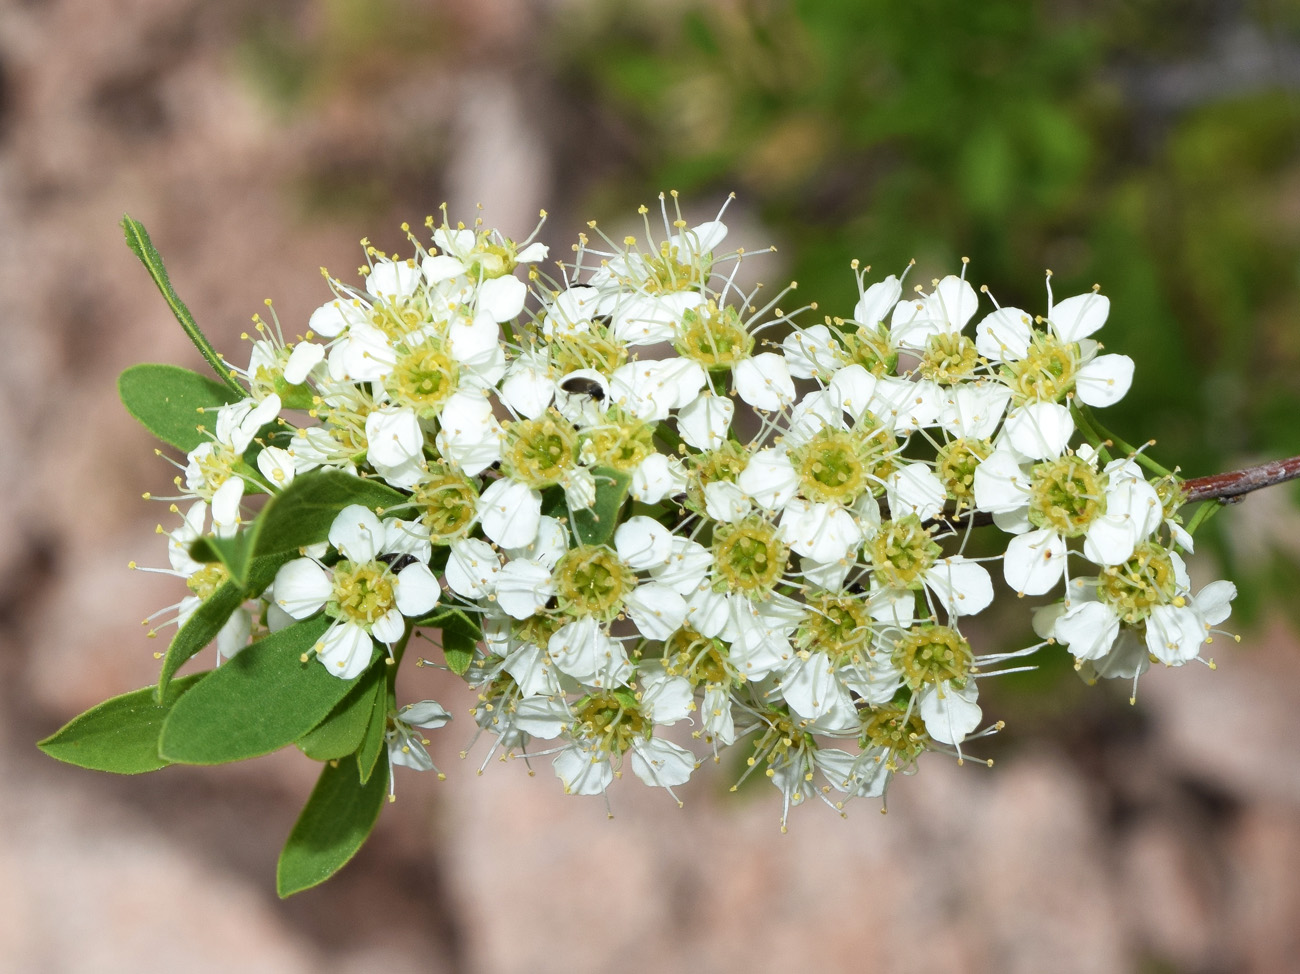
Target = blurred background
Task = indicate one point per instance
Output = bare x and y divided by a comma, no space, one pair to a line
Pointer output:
1151,147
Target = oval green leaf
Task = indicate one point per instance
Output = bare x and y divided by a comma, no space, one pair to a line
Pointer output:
168,401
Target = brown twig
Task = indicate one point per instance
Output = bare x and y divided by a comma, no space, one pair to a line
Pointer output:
1228,486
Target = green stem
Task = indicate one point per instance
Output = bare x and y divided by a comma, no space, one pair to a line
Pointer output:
1089,432
1203,513
1129,448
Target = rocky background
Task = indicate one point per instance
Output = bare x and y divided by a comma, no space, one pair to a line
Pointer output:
258,142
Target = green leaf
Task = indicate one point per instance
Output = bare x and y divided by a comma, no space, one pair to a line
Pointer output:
166,400
342,732
199,630
119,735
596,524
460,635
232,552
302,513
334,824
373,743
137,238
262,699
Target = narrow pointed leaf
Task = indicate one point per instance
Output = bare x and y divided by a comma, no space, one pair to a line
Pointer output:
260,700
334,824
137,238
169,401
119,735
342,732
596,524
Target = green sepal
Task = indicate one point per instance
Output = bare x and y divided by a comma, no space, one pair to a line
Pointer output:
206,621
137,238
119,735
264,697
333,825
595,525
342,732
166,400
460,635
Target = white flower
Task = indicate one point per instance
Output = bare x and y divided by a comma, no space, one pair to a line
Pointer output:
364,595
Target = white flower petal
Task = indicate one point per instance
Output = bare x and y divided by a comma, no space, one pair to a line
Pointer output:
1040,430
914,489
963,586
704,421
1089,629
1004,335
656,609
358,533
764,382
416,590
1105,380
1034,562
502,298
642,542
472,568
523,588
345,650
510,513
302,587
1079,316
950,714
661,763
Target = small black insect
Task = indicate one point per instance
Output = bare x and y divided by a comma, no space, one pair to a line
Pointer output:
581,385
396,562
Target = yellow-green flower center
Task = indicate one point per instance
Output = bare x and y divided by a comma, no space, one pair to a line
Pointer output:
949,357
587,350
424,378
363,592
714,337
620,441
699,659
932,654
749,558
834,465
447,503
723,464
900,733
398,319
1066,495
955,465
591,580
1136,587
901,552
538,452
207,580
836,625
869,347
611,720
1046,373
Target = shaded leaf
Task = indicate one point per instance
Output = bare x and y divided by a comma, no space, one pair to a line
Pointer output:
596,524
373,744
166,400
262,699
342,732
200,629
119,735
334,824
302,513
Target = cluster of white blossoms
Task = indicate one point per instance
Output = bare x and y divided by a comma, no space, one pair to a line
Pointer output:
682,519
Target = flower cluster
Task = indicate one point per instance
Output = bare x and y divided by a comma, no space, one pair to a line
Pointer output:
677,517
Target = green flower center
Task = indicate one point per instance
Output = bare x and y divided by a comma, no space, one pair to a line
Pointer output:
363,593
834,466
207,580
424,378
397,320
870,348
955,465
1136,587
900,733
902,552
1066,495
699,659
611,719
587,350
932,654
949,358
837,626
489,260
592,581
538,452
715,338
621,441
448,503
748,557
1047,371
